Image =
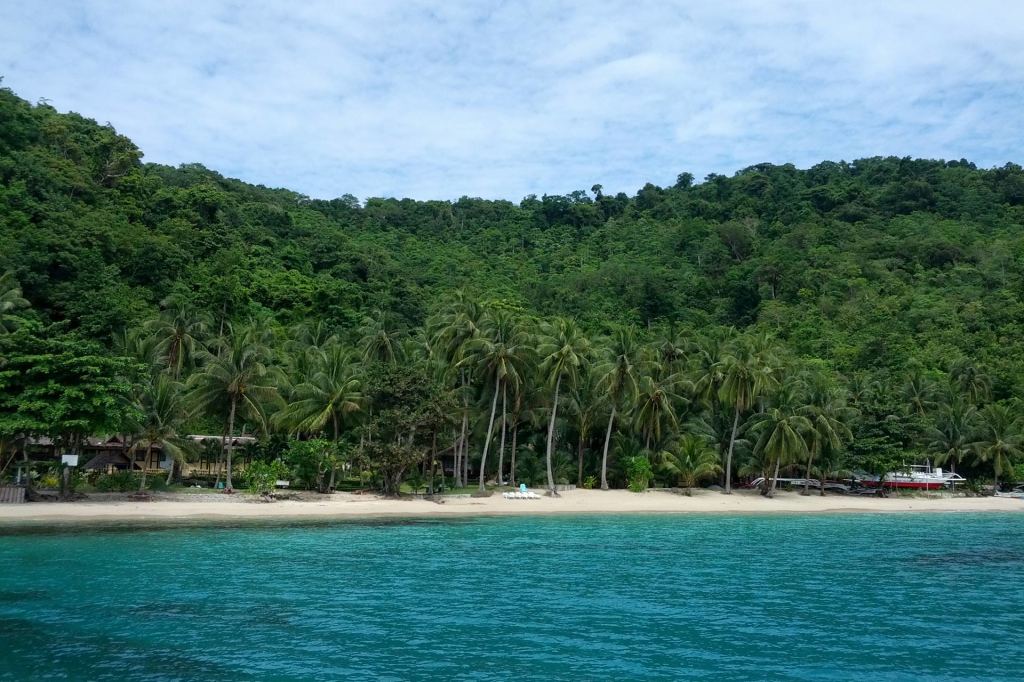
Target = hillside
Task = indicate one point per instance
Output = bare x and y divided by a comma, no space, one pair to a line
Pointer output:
865,263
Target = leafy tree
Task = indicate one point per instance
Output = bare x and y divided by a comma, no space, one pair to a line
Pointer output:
53,383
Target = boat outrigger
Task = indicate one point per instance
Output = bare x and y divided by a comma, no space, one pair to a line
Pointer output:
916,476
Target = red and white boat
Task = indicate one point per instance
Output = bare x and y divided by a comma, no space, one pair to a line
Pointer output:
920,477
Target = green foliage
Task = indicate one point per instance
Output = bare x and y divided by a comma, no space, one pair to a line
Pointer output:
311,463
261,477
639,473
853,315
117,482
57,383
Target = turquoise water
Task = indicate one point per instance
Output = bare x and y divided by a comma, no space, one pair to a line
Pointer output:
890,597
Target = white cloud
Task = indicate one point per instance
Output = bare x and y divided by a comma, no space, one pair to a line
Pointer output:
436,100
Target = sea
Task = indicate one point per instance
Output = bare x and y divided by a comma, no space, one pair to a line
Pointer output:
662,597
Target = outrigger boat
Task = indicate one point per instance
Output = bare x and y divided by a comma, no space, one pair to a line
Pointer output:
916,476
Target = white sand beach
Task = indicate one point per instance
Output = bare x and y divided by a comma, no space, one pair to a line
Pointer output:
198,507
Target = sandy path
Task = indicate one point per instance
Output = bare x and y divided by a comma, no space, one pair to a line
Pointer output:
343,505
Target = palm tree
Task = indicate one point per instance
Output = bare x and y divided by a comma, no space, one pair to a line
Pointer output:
918,391
747,373
780,431
970,380
178,333
449,332
692,460
162,409
237,378
499,354
617,379
954,424
586,404
1000,439
828,413
326,398
655,409
11,301
564,351
379,340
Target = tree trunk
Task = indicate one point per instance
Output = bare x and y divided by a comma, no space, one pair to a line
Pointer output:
551,438
775,478
807,473
579,463
728,457
501,450
604,457
465,461
995,479
145,465
170,471
515,437
231,445
487,438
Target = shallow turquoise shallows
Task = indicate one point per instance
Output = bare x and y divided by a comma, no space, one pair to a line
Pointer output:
832,597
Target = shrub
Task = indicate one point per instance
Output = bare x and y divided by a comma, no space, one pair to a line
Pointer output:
261,477
119,481
590,482
638,473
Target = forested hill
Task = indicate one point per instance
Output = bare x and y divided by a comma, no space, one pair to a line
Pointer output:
865,264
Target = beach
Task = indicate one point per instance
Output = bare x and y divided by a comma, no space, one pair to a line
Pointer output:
241,506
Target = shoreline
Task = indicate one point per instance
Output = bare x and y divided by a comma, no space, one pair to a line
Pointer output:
201,509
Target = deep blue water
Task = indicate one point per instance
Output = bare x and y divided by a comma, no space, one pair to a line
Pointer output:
889,597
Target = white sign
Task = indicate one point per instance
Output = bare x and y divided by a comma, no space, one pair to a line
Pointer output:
69,460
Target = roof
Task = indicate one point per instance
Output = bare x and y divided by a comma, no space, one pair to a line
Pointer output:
103,460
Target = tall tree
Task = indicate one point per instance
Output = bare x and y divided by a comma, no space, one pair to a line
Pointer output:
163,412
780,431
1000,439
499,354
618,379
747,373
178,332
564,351
237,380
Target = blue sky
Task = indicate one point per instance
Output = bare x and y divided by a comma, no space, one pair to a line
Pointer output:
504,99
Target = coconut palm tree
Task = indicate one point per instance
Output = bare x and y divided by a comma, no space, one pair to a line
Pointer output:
11,301
379,340
970,380
499,354
918,391
656,408
328,397
690,461
163,412
829,415
236,379
1000,439
449,332
780,431
747,372
955,421
178,333
618,380
564,352
586,404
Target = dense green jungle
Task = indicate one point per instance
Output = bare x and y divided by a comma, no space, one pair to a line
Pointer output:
852,316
